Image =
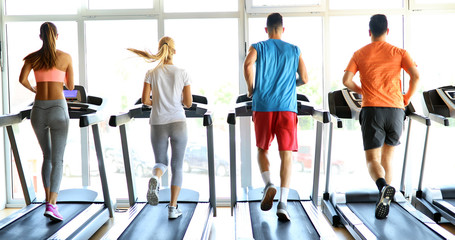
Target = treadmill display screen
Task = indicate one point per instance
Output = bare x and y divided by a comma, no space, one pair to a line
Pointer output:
356,96
70,95
451,94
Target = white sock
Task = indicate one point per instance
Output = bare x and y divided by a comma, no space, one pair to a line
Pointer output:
266,177
284,195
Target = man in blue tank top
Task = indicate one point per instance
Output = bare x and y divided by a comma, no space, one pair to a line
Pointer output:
275,105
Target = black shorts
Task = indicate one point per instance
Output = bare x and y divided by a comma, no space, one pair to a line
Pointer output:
381,125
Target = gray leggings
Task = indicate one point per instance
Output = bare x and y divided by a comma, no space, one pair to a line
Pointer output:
50,121
177,134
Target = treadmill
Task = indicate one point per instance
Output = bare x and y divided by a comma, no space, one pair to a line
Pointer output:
151,222
253,223
83,213
355,209
438,203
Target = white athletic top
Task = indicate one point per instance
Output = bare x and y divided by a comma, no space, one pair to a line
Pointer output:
167,82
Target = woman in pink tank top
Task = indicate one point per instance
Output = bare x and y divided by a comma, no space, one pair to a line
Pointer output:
49,116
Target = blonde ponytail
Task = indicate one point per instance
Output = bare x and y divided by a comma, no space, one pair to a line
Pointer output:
166,50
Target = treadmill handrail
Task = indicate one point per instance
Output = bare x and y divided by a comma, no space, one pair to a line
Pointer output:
439,119
11,119
92,111
243,107
198,109
98,104
336,120
420,118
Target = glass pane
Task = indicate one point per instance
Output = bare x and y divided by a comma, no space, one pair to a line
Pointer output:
33,7
200,6
284,3
117,75
436,70
120,4
423,32
16,33
344,41
306,33
366,4
214,75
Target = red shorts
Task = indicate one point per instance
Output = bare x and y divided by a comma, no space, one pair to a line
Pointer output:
281,124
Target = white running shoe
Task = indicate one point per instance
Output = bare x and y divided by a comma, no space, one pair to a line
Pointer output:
174,212
282,212
153,192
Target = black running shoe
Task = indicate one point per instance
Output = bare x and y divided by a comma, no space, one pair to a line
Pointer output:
282,212
383,205
267,198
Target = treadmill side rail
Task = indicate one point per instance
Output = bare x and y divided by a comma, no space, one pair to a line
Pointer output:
319,221
195,229
242,218
81,221
18,214
120,227
354,225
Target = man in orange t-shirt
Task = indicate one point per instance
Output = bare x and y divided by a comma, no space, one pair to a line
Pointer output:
382,115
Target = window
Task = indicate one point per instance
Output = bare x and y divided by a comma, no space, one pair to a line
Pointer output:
119,4
347,35
350,33
117,75
306,33
20,97
212,61
16,33
269,6
435,65
366,4
200,6
32,7
271,3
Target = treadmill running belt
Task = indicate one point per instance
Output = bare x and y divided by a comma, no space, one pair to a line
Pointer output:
398,225
35,225
153,223
266,225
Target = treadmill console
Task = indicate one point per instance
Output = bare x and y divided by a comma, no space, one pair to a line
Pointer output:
345,104
441,101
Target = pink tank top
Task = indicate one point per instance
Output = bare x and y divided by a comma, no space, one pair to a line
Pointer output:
52,75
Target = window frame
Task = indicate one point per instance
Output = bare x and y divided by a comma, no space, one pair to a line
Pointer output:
309,8
442,7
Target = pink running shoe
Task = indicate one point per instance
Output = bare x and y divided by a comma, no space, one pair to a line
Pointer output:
52,212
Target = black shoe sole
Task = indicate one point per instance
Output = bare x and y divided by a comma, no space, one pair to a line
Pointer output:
267,199
283,216
382,207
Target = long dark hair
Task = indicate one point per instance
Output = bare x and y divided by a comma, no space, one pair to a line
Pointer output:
45,58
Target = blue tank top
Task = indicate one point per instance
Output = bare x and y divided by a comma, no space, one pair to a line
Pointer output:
275,83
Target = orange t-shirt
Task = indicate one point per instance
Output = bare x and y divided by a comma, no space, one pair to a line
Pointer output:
380,64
